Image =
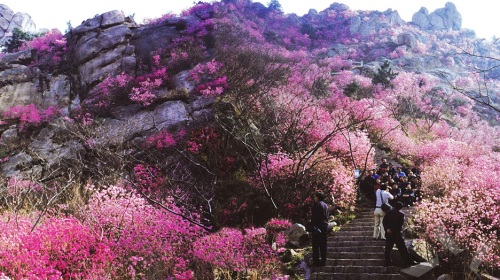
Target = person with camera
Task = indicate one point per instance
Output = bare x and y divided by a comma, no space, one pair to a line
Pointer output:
382,196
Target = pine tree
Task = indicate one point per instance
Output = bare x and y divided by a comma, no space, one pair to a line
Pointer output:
17,40
384,75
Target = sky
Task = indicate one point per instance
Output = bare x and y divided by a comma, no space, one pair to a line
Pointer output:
478,15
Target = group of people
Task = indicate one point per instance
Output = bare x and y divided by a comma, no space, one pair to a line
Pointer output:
403,183
398,188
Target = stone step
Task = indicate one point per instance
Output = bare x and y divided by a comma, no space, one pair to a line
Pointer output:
370,242
358,227
352,233
347,237
363,219
355,255
357,249
359,269
356,262
357,276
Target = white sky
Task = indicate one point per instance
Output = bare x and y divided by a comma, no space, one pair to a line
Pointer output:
478,15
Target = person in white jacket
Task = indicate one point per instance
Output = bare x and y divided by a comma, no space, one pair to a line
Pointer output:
382,196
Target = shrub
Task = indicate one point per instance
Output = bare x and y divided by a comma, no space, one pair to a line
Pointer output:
30,115
146,241
19,38
233,250
49,50
59,247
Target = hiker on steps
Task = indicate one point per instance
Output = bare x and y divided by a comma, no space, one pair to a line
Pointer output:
393,224
319,221
382,196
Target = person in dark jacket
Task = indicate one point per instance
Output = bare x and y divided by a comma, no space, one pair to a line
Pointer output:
319,221
393,225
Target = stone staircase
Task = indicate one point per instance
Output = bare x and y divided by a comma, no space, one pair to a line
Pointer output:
353,254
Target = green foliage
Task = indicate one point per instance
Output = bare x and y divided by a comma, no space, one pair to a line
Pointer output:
344,217
17,40
319,88
384,75
351,89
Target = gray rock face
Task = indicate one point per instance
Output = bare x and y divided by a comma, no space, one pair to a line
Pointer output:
22,21
151,38
407,39
22,58
447,18
376,21
6,15
13,165
421,18
52,153
9,137
10,20
102,47
166,115
27,91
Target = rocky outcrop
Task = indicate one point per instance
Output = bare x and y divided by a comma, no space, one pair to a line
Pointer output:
101,48
104,46
447,18
10,20
375,21
407,39
23,85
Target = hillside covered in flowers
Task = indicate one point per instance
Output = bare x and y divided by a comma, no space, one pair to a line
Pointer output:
184,146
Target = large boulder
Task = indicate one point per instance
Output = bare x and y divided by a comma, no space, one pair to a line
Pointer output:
447,18
47,149
10,21
297,235
6,15
407,39
375,21
101,47
14,165
167,115
26,89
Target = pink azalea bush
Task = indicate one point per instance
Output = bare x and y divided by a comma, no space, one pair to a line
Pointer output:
209,81
456,191
234,250
30,115
50,50
148,178
146,241
57,248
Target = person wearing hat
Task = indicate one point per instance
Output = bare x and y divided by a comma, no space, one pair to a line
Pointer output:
319,221
393,225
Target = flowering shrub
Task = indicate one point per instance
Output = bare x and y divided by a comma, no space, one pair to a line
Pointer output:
234,250
59,247
163,140
142,92
110,89
146,241
148,178
275,228
50,50
30,115
209,83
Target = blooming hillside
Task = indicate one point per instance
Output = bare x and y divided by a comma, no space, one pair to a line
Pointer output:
298,104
